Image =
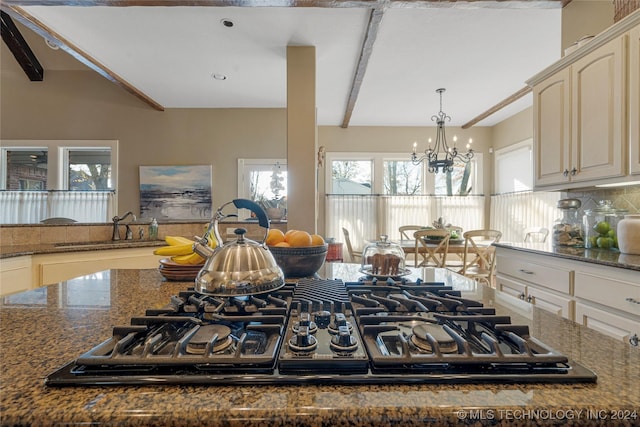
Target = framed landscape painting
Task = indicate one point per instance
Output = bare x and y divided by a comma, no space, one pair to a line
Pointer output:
175,192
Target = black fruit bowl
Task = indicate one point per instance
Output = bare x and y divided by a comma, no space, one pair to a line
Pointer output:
299,261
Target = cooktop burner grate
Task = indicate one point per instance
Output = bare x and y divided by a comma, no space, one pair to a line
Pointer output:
322,331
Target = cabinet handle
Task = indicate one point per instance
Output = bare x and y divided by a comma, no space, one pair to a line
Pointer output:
634,340
521,296
635,301
522,270
565,172
574,171
529,298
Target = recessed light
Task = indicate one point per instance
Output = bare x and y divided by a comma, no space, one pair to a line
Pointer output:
219,76
51,44
227,22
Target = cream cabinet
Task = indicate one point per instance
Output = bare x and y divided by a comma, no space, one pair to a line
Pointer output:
634,101
53,268
586,112
541,281
551,124
15,274
29,272
601,297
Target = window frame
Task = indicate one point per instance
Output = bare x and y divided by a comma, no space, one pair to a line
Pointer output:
377,173
503,153
58,161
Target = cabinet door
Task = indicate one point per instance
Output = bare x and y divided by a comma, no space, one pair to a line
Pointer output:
598,113
634,101
554,303
551,106
618,327
511,287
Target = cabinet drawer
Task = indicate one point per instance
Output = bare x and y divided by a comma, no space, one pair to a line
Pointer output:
555,278
510,287
552,302
617,294
618,327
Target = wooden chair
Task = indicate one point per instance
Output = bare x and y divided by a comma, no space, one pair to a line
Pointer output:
479,255
431,254
354,256
536,234
406,231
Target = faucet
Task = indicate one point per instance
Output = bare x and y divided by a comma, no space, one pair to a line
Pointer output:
116,232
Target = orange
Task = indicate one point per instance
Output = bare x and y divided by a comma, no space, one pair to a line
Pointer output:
288,235
274,237
282,245
316,240
299,239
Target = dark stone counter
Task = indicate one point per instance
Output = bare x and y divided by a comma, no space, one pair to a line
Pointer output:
611,258
43,329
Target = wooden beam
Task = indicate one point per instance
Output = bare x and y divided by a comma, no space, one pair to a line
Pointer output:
407,4
20,49
499,106
363,61
40,28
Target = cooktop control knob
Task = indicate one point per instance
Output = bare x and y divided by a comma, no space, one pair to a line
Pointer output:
303,341
322,318
305,320
339,320
343,340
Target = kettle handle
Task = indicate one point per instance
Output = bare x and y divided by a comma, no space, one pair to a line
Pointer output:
263,219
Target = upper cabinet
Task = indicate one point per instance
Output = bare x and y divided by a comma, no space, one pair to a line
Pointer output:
634,101
586,112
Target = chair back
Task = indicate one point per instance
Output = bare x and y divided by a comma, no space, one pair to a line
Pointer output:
479,254
536,234
406,231
353,255
431,247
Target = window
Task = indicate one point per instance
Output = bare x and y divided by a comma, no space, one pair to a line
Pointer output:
514,168
263,181
351,176
402,177
88,169
26,168
458,182
45,179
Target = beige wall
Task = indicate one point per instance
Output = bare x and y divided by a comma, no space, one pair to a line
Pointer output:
585,17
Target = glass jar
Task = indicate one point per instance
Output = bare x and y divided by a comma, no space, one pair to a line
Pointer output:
567,230
383,259
600,224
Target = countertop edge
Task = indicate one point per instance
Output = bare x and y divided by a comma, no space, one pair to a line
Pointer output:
592,256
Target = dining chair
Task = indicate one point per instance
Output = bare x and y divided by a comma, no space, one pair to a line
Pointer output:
353,255
406,231
431,247
479,255
536,234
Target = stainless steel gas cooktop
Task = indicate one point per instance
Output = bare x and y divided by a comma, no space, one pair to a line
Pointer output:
322,331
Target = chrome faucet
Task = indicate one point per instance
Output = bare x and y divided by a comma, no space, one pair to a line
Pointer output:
116,232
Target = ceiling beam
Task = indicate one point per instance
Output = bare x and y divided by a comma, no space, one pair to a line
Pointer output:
363,61
499,106
525,4
40,28
20,49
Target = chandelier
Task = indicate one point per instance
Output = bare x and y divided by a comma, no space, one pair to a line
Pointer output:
442,156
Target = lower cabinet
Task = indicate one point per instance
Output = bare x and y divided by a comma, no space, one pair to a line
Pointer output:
536,280
15,274
32,271
603,298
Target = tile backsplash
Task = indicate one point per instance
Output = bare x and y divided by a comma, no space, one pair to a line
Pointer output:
622,197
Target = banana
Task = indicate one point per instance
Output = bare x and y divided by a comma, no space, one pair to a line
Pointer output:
177,240
193,258
175,250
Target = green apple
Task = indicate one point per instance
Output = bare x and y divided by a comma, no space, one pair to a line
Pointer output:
602,227
604,242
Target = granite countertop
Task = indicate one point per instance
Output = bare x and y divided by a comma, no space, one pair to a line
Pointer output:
45,328
611,258
10,251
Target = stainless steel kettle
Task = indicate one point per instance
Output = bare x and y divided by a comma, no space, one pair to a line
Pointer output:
242,267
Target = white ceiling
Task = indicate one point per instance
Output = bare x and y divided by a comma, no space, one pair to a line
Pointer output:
480,55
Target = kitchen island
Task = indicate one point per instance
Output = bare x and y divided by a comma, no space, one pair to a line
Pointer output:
45,328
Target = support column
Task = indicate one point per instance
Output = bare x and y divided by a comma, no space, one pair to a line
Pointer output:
301,138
